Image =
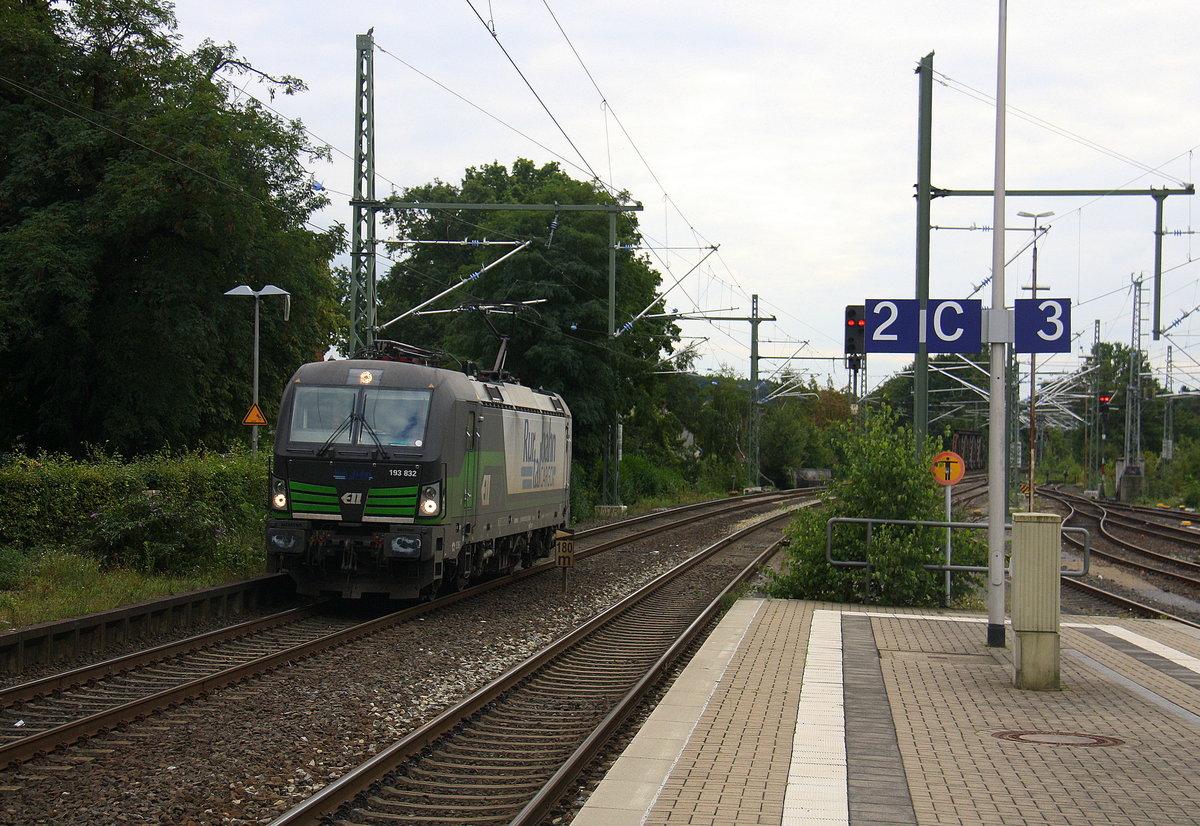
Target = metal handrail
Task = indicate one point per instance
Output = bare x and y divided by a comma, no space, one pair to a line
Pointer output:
926,523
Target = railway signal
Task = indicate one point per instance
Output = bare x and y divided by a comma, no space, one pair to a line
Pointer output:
1104,398
856,335
856,329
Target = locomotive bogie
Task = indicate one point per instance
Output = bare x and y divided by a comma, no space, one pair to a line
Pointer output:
397,479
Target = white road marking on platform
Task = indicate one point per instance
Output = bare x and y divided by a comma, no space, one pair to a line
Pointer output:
1153,646
816,790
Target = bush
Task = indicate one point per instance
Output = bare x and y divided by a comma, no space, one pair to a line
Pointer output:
644,479
878,477
161,514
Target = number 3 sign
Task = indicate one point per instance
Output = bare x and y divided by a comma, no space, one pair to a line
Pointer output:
1042,325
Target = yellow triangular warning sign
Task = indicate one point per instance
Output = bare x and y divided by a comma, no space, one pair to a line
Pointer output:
255,416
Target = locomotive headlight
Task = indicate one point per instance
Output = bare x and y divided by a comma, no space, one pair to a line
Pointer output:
279,500
431,500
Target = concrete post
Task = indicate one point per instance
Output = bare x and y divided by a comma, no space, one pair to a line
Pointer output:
1036,551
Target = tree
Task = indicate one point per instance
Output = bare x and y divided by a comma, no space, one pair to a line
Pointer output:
561,344
796,432
134,192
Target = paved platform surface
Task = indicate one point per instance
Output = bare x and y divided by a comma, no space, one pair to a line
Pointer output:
803,713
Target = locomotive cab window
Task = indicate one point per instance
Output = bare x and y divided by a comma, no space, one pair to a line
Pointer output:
398,417
360,416
320,412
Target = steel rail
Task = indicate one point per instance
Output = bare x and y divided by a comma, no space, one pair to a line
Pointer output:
1108,596
349,786
559,785
20,750
1125,602
1124,516
117,665
1146,568
32,644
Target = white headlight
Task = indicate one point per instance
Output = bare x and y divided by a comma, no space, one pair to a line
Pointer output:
431,500
279,500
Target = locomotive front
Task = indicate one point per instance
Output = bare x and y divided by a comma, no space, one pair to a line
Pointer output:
378,478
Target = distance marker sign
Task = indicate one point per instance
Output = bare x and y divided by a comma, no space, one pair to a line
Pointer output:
948,468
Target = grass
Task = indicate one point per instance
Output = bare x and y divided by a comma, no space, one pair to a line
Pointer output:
61,584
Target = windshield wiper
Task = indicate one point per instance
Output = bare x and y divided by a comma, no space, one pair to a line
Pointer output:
366,426
349,419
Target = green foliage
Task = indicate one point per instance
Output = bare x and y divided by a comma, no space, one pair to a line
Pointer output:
562,344
1178,481
136,187
178,515
795,432
58,584
644,479
877,477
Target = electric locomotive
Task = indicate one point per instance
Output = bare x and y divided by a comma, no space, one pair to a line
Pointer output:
395,478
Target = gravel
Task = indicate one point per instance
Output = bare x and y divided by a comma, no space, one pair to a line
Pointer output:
248,753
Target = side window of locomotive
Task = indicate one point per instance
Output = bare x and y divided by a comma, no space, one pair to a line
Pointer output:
398,417
318,412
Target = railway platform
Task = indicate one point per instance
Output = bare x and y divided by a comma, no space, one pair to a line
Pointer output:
814,714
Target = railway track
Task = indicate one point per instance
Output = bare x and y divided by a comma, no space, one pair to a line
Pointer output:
1143,561
41,715
508,753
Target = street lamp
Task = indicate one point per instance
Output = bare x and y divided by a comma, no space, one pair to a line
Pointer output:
1033,360
269,289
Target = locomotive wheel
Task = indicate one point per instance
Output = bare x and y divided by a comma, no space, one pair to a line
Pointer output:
523,550
459,574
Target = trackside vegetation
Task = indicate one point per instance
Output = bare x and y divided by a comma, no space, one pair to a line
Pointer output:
78,536
877,476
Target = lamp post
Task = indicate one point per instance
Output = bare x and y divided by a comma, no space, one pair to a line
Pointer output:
269,289
1033,361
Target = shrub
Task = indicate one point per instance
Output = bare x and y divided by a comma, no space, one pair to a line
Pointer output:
161,514
877,476
644,479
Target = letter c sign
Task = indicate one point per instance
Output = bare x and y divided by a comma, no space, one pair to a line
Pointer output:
953,326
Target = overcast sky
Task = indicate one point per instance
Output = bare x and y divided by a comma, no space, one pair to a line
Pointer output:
786,133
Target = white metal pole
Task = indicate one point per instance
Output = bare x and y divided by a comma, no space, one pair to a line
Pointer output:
998,335
254,428
949,546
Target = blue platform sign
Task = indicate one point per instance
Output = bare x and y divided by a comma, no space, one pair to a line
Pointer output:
892,325
954,326
1042,325
951,325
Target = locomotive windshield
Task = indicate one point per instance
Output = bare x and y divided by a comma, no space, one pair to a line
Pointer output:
359,416
396,416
